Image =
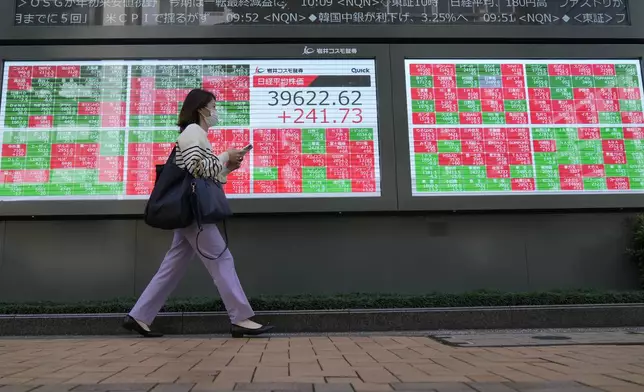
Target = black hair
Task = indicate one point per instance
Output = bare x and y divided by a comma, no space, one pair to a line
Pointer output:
196,100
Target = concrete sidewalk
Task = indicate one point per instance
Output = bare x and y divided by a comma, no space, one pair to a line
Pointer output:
322,364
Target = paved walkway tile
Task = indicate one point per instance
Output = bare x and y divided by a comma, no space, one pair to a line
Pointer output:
311,364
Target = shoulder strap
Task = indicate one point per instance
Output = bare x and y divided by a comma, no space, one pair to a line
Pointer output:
173,155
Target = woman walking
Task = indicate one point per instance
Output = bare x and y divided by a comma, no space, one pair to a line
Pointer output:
194,154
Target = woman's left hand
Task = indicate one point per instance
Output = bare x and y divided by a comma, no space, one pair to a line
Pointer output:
234,165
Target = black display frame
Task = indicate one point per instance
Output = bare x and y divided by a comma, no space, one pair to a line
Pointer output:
8,31
407,202
380,53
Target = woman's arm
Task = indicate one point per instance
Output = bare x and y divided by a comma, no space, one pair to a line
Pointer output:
199,159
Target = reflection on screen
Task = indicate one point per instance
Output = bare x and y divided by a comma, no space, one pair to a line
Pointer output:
96,129
525,126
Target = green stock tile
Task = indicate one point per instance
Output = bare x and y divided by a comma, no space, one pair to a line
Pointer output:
65,121
626,69
112,149
165,136
467,81
521,171
21,121
633,145
7,190
450,173
82,176
594,184
12,163
264,173
37,163
605,81
635,157
591,157
583,82
562,93
358,134
547,184
450,186
515,105
493,118
88,136
568,158
313,134
447,118
113,136
547,171
616,170
637,183
64,136
473,172
430,160
499,184
630,105
423,106
314,186
589,145
140,136
313,147
117,188
469,105
566,134
449,146
567,145
85,189
610,118
612,133
35,190
338,186
62,176
538,81
427,185
39,149
38,137
475,185
635,170
17,96
427,172
88,121
561,81
626,81
314,173
141,121
168,120
536,69
467,69
59,189
546,158
15,137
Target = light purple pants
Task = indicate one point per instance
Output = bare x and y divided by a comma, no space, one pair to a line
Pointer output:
174,266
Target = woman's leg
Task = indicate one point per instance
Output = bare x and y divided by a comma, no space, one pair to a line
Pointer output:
222,271
170,272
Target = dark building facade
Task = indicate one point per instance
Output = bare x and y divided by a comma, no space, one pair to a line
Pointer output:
398,238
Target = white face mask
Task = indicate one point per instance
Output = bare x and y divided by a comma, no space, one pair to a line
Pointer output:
213,119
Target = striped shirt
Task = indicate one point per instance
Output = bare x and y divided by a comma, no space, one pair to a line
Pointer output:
194,153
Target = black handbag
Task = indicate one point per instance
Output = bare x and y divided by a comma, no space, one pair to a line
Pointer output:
210,205
170,204
179,199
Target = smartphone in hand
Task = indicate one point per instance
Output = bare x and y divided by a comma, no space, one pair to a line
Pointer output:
247,148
